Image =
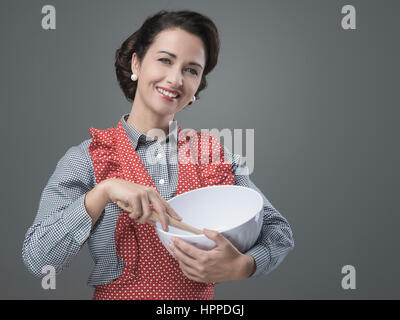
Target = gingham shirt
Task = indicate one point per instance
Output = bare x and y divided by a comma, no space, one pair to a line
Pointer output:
62,225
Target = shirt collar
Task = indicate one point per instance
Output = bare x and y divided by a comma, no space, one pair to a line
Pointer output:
138,138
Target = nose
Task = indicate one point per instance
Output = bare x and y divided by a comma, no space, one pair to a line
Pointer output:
175,78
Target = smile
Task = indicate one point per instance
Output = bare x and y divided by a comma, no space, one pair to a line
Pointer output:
167,95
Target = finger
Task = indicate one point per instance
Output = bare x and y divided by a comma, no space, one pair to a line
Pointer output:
188,249
169,209
146,209
187,273
188,264
150,222
164,218
136,209
172,212
183,257
191,275
161,211
217,237
186,269
123,205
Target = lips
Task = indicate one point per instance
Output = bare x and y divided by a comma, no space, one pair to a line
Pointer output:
171,90
167,97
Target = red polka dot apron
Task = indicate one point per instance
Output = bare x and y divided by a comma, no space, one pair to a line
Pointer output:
150,271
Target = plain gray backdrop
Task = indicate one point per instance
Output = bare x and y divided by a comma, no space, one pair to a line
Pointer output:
323,101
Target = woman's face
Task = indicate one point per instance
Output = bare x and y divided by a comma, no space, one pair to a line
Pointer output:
175,62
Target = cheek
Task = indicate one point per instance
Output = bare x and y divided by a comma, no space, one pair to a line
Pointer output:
151,74
193,85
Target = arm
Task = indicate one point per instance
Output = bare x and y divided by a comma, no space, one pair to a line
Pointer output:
276,238
63,222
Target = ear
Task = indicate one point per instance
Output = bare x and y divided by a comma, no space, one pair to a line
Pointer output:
135,65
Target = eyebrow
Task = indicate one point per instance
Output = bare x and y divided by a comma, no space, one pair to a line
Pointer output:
174,56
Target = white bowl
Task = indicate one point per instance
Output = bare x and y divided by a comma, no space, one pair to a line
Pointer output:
232,210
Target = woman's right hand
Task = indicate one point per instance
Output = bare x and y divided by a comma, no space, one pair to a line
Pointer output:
139,198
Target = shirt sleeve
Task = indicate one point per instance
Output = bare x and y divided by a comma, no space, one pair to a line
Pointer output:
276,237
62,223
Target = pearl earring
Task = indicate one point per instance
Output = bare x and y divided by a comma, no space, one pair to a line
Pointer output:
134,77
193,100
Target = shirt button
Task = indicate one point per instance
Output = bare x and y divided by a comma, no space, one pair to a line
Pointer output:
161,181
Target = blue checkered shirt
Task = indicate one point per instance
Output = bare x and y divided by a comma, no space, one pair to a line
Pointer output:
62,225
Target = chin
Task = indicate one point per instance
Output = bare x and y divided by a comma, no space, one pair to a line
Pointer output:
164,110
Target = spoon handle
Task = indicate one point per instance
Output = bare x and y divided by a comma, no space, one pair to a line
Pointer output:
171,221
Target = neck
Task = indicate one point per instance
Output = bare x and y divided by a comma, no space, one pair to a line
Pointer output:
148,122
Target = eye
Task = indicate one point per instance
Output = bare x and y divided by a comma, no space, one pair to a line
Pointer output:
164,59
195,72
192,71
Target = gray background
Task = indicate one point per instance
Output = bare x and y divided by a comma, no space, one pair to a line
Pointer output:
322,101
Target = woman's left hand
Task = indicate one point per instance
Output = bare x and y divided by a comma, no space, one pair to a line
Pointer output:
223,263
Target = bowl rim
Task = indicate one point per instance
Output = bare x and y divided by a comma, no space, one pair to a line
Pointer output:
218,230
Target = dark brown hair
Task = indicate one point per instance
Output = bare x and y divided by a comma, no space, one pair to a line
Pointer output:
139,42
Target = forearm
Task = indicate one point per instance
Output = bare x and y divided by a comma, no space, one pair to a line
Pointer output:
63,223
275,242
96,201
246,267
56,239
276,238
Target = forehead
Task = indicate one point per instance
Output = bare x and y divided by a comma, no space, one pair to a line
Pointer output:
181,43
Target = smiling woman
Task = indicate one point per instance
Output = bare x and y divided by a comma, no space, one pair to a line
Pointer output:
167,81
140,41
169,75
161,68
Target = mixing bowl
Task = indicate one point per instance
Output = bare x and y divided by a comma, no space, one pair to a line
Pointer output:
232,210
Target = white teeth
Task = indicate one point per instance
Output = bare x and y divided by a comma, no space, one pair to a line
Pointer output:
169,94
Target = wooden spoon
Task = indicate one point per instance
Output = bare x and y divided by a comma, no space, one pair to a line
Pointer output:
171,221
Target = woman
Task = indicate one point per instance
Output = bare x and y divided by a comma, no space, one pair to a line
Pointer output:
161,68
